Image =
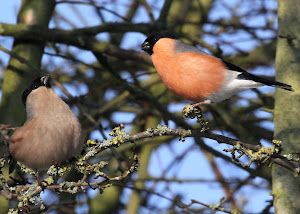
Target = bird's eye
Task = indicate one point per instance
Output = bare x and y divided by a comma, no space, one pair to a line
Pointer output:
35,86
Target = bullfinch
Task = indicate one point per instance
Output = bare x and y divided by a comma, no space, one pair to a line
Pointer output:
51,134
197,76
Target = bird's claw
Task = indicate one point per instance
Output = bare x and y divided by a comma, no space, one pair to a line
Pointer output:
192,112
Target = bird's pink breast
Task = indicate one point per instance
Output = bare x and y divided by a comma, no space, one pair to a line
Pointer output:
191,76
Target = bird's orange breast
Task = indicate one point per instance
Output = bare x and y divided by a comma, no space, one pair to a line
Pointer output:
191,76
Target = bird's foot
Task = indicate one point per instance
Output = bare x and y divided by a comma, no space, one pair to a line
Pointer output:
205,102
43,184
190,111
194,111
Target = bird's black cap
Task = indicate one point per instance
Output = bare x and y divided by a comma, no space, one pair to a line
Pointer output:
36,83
149,43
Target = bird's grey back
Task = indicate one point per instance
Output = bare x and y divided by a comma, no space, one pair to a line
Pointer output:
181,47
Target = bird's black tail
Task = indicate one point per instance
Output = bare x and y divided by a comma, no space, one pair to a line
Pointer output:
281,85
246,75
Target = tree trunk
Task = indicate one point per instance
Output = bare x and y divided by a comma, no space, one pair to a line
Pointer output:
286,188
18,75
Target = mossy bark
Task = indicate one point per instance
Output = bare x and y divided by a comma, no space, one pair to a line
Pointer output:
286,187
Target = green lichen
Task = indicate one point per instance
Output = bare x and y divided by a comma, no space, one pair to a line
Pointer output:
117,140
86,168
262,155
288,157
119,130
120,135
27,170
218,206
91,143
12,211
68,187
297,171
277,142
49,180
42,207
90,152
150,132
2,162
183,136
3,182
162,129
59,170
97,169
26,200
238,146
83,167
262,152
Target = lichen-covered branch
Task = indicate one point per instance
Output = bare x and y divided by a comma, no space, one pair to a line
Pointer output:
253,152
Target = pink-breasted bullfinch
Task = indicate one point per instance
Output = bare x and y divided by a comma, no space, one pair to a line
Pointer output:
197,76
51,134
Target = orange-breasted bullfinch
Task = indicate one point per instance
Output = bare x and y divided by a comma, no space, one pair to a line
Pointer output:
197,76
51,133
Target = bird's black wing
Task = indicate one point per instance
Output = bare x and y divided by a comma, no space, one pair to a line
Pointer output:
244,75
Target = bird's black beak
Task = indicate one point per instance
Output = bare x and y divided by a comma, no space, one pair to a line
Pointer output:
146,46
45,80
